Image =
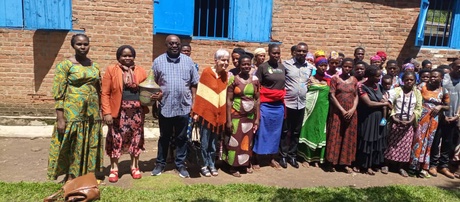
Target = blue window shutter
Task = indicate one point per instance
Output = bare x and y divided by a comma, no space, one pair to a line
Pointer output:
11,13
455,27
252,20
48,14
173,17
420,35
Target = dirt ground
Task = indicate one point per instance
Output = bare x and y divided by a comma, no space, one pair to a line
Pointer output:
26,160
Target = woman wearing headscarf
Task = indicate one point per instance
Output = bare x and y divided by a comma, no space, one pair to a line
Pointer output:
334,61
313,133
407,67
383,57
259,57
122,111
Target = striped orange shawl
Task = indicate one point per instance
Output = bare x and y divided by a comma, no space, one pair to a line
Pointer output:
210,101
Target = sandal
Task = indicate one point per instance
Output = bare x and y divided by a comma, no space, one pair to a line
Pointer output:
356,170
235,173
457,174
385,170
275,165
412,173
205,172
113,177
306,164
316,165
135,173
256,167
214,171
249,170
424,174
370,171
403,173
348,170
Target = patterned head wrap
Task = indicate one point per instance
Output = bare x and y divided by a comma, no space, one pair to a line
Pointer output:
376,58
320,53
320,60
334,55
382,54
310,56
259,51
408,66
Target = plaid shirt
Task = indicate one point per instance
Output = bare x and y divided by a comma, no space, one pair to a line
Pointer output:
175,76
297,76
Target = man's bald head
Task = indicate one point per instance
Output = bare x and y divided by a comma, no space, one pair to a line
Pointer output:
173,44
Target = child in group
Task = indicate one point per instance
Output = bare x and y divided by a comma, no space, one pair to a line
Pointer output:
393,70
387,83
358,71
424,75
407,108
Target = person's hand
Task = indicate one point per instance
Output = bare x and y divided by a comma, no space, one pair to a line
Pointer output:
228,126
435,111
389,105
108,119
451,119
256,126
405,123
348,114
61,126
395,120
157,96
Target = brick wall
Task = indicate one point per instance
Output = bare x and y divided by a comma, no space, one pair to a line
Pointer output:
27,58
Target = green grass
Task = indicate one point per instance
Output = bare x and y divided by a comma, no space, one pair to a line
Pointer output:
28,191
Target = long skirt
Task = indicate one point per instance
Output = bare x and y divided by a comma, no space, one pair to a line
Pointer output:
399,142
341,137
312,139
423,140
78,151
126,135
238,146
268,135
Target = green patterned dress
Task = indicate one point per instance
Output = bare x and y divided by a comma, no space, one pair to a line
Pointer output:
79,150
238,145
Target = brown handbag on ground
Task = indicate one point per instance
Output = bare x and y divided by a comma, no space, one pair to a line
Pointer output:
83,188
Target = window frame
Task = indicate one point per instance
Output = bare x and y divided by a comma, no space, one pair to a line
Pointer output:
454,32
231,23
29,8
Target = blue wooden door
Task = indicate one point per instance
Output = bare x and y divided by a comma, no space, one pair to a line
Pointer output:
173,17
11,13
48,14
252,20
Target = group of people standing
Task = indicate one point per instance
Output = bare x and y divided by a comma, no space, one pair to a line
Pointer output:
311,109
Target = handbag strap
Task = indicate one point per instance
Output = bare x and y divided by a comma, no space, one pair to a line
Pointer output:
195,133
55,196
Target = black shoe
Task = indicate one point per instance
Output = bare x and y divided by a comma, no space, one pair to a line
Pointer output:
283,162
293,163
